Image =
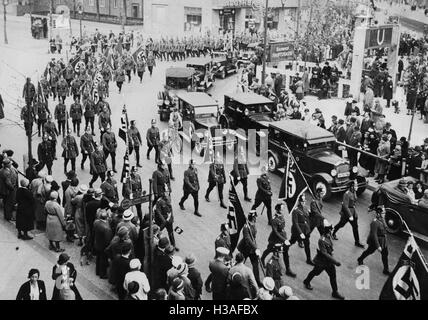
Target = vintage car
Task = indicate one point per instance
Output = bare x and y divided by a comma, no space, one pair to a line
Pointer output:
176,80
244,56
402,215
203,77
201,111
224,64
246,111
313,148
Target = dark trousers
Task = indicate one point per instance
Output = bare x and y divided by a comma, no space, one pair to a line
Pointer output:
40,124
9,201
254,259
270,248
353,157
343,221
150,70
267,201
244,185
89,121
61,127
101,264
53,90
139,212
113,157
140,75
73,163
296,237
195,198
76,127
84,157
137,152
128,74
95,176
211,186
317,270
370,250
170,229
48,165
149,150
119,85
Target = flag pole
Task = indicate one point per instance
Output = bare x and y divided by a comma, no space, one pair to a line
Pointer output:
254,240
417,247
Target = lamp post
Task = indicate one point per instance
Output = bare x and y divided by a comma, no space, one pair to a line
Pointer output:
5,3
265,43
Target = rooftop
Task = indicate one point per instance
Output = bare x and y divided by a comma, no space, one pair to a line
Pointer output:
304,130
249,98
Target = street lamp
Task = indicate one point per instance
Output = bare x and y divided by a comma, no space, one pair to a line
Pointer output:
5,3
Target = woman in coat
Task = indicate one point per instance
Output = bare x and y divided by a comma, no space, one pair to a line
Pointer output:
24,211
69,194
383,151
34,289
55,223
64,273
79,213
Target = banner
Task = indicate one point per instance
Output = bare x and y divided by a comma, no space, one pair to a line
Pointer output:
123,130
60,22
293,184
235,216
138,54
409,279
280,51
125,169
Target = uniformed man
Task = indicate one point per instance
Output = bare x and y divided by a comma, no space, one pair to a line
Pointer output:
248,245
61,116
377,240
164,217
89,114
28,115
279,236
153,138
29,92
300,228
98,164
52,132
71,151
76,113
161,181
191,187
264,194
45,87
216,177
135,141
109,188
223,239
107,76
46,153
110,146
141,68
316,219
240,173
133,188
42,112
62,89
273,267
119,77
349,214
102,89
86,147
53,82
8,187
324,260
69,73
165,154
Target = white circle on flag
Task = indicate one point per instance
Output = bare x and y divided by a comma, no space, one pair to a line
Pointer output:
291,185
405,280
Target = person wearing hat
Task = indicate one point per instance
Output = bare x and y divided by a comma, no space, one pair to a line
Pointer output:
165,153
348,213
161,262
64,274
104,120
153,139
274,268
29,92
217,280
61,115
248,279
266,292
176,292
315,213
62,89
216,177
127,216
109,188
8,187
161,181
324,261
164,217
134,141
78,210
383,151
120,267
135,275
52,133
285,293
194,275
191,187
279,236
46,153
70,152
102,234
376,239
76,113
248,245
87,146
55,222
31,171
24,210
223,240
89,113
133,188
109,146
264,193
98,165
240,172
388,90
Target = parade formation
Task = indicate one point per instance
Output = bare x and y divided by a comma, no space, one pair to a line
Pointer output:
277,149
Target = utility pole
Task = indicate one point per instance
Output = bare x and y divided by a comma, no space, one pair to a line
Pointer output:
5,3
299,3
150,231
50,25
265,43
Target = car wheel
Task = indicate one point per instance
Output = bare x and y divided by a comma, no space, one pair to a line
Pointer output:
394,223
273,162
320,183
361,190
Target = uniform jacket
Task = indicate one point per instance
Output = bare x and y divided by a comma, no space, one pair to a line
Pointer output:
163,213
45,152
248,245
219,272
278,234
98,162
153,136
109,142
191,180
104,120
76,111
161,182
89,108
240,170
42,111
62,87
60,112
87,144
29,91
134,136
217,173
324,255
316,218
248,279
300,220
223,240
109,188
377,235
71,150
135,188
263,187
348,205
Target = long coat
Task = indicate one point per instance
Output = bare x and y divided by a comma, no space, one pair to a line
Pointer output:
383,150
39,208
24,292
79,215
55,221
69,194
25,210
70,274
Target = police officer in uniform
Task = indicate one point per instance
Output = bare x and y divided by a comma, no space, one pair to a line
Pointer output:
264,194
240,173
161,182
216,177
110,146
46,154
71,151
87,144
109,188
164,217
98,164
135,141
28,115
61,116
76,115
42,112
279,236
191,187
45,87
153,138
248,245
300,228
324,260
133,189
349,214
377,240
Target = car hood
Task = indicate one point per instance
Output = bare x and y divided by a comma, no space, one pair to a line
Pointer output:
207,122
327,156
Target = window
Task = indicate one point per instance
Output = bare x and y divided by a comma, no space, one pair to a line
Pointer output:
91,3
102,3
115,3
192,18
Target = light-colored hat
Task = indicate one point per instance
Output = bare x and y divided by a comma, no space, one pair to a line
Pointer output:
83,188
49,179
98,193
128,215
42,174
135,264
222,251
268,283
285,291
176,261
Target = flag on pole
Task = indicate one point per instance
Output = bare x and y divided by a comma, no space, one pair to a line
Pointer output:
293,183
125,170
235,216
409,279
139,53
123,130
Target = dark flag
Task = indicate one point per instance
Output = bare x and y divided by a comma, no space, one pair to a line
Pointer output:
125,170
235,217
409,279
293,184
123,130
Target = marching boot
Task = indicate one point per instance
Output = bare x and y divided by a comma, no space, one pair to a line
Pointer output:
222,204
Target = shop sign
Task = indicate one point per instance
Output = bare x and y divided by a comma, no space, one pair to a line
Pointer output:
280,51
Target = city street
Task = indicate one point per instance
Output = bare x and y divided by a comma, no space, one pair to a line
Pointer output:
25,56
